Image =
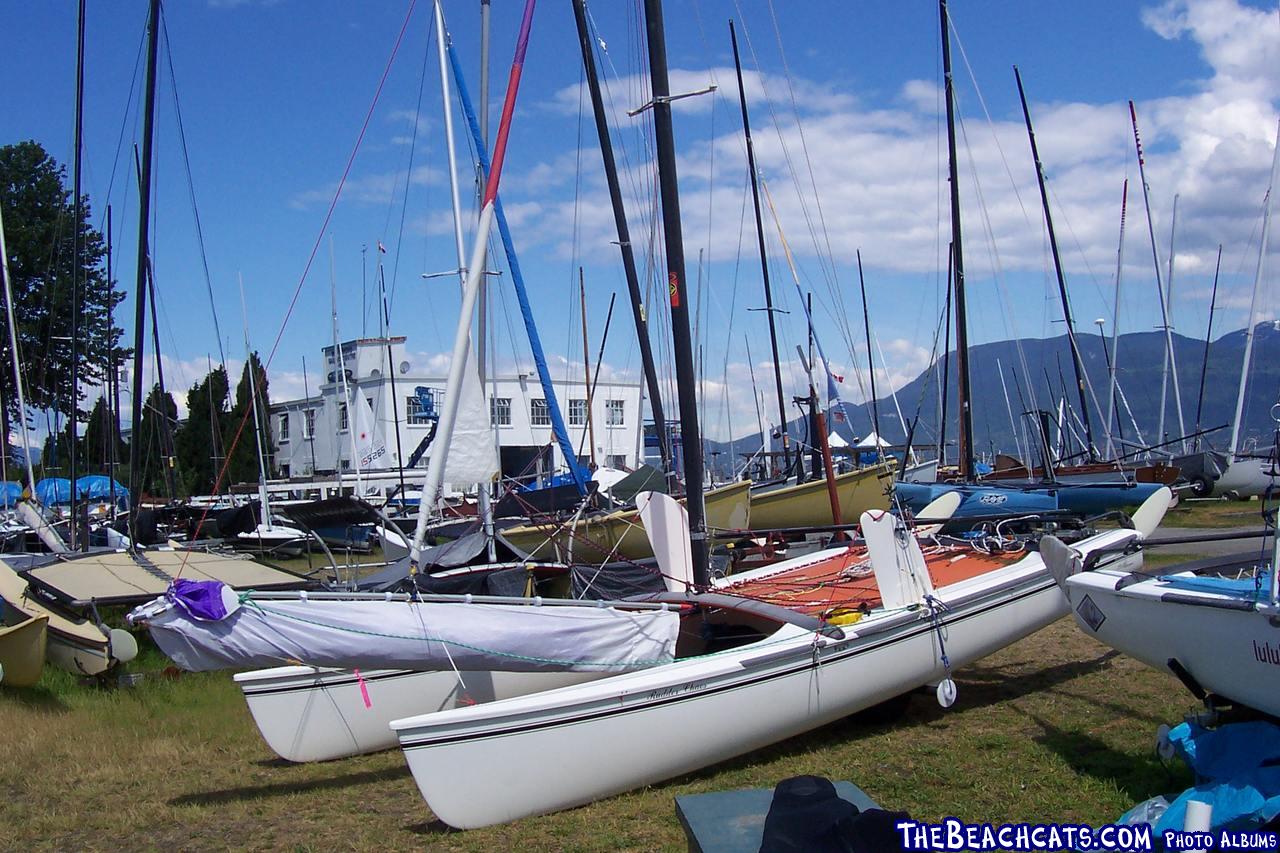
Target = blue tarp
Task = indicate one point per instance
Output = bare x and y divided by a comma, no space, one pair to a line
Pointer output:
1236,773
10,492
54,490
98,487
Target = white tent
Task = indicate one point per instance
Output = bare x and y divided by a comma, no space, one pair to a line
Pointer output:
835,441
874,440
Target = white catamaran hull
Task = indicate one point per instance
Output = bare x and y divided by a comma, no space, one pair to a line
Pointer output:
1245,477
1227,646
571,746
309,714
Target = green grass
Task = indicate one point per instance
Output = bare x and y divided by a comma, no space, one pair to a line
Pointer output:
1055,727
1213,512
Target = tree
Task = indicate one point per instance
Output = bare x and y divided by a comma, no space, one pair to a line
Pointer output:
199,445
151,455
99,431
38,211
243,467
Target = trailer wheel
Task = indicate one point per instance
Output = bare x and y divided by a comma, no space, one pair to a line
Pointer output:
1200,486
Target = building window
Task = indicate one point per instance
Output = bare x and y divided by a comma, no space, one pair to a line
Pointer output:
346,464
539,412
424,406
500,411
577,412
613,413
308,423
284,471
283,436
342,417
617,461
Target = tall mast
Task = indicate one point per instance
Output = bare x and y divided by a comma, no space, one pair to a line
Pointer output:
558,428
1114,359
686,385
586,366
764,259
140,291
1076,361
624,236
391,372
871,361
1168,301
1160,291
16,358
483,310
462,335
1208,336
74,414
257,421
113,380
965,438
1253,302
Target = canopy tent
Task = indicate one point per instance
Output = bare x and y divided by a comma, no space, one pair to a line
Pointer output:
874,440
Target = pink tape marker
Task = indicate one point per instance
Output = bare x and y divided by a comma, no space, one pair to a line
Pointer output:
364,689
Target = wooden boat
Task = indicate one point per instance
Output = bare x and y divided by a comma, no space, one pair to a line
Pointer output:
74,643
619,535
22,648
826,636
807,504
1211,623
1011,470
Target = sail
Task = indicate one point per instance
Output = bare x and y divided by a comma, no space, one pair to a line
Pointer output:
371,448
472,456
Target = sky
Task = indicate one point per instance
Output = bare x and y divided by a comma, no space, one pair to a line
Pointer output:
847,114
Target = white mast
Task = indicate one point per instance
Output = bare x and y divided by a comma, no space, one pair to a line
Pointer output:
253,403
17,369
1253,302
1115,327
341,366
1168,307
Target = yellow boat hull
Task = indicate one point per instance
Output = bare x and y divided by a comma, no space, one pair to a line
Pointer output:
74,643
620,535
807,505
22,650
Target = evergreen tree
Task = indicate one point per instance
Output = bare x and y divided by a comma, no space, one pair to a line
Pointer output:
99,431
151,455
199,444
37,210
243,467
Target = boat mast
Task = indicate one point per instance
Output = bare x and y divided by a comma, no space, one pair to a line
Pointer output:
1168,294
764,258
74,414
113,381
1171,359
17,362
140,292
1114,359
470,293
624,237
1208,336
391,372
558,428
1076,361
257,421
871,361
485,506
686,384
586,367
965,437
1234,447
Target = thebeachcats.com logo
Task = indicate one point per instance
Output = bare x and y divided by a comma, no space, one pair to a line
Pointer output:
956,835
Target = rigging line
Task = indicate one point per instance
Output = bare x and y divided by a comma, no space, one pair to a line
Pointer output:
993,251
408,177
825,264
191,186
124,121
990,123
315,248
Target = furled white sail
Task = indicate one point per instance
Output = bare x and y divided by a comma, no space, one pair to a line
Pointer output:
381,634
371,448
472,456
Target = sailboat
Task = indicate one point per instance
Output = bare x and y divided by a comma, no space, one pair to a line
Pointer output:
980,498
800,643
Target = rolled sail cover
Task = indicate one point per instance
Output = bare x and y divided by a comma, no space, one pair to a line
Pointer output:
418,636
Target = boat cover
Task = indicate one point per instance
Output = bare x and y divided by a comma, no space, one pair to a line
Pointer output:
10,493
121,577
330,512
53,490
350,634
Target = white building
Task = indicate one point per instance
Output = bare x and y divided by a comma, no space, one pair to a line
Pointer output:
312,436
